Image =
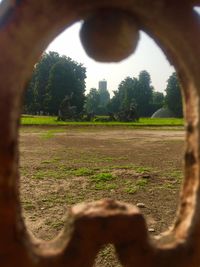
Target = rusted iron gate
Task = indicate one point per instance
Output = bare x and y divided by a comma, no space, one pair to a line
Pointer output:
26,28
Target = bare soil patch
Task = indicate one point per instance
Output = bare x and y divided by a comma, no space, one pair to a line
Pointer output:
62,166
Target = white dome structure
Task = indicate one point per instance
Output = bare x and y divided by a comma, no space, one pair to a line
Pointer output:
163,113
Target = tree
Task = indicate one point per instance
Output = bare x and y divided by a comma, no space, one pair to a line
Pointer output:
29,100
40,80
66,111
123,104
173,97
114,103
92,101
123,96
127,92
65,80
133,90
128,113
158,101
144,94
54,78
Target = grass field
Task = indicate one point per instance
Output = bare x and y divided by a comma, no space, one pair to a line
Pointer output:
51,120
64,166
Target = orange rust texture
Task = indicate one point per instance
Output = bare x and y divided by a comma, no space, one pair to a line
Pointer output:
26,28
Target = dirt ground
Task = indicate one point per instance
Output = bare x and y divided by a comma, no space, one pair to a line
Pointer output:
62,166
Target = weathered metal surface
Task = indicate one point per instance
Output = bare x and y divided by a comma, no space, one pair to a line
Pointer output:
26,28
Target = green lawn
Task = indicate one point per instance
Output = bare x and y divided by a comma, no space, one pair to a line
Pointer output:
51,120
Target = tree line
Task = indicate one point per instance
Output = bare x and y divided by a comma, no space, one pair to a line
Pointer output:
57,87
137,97
54,78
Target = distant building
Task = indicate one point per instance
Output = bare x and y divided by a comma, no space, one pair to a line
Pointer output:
103,85
103,93
163,113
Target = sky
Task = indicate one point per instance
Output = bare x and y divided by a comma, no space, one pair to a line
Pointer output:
148,56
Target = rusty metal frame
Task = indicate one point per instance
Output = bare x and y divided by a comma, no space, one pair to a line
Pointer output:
26,28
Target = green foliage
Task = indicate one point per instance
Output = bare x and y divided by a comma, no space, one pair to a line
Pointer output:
158,101
145,92
133,92
173,96
96,101
55,77
35,95
92,101
128,113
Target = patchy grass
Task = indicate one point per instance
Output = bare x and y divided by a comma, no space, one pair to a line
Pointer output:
24,171
103,177
103,181
123,167
52,199
142,169
141,183
60,170
82,172
51,161
131,189
104,186
138,169
51,173
47,135
110,159
107,159
169,186
176,174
